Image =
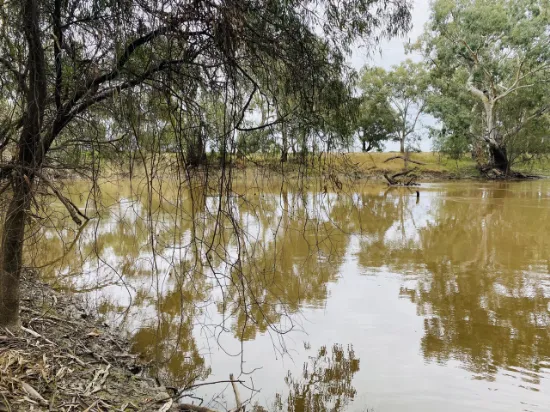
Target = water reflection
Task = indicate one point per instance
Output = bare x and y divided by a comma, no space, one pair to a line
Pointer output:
482,268
473,259
325,383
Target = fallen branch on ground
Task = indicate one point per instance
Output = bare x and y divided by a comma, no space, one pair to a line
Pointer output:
405,159
393,182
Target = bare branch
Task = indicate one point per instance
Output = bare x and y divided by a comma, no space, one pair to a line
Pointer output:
70,206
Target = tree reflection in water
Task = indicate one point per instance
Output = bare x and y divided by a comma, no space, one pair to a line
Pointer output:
473,260
477,270
324,385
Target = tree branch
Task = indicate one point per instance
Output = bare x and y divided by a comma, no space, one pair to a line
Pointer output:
70,206
124,58
57,42
474,90
61,121
20,77
403,158
520,126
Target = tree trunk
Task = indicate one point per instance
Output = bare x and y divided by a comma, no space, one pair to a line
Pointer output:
12,254
402,144
284,148
499,158
30,157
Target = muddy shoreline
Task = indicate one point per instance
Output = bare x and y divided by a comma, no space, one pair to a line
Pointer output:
64,358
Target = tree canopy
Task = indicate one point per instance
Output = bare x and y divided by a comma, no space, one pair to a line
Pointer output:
497,51
67,65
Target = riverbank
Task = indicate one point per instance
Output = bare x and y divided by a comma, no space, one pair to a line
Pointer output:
426,166
347,167
64,358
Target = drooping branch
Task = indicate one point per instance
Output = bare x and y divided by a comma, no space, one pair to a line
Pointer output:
73,210
63,120
129,50
520,126
57,42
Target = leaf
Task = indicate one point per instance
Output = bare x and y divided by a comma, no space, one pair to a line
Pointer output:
166,406
33,393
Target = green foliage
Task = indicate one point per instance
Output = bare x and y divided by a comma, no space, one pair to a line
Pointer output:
394,102
377,121
489,62
455,146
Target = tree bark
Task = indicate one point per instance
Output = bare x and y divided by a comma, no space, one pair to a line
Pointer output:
29,159
499,158
402,144
284,148
497,149
366,148
12,254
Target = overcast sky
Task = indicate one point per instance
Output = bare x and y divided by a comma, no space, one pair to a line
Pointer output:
392,52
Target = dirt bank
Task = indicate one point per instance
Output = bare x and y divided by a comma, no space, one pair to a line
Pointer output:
64,359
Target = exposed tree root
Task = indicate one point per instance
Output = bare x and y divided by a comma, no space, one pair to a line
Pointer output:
492,173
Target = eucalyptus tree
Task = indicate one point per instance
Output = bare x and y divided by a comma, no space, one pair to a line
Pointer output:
500,48
408,84
458,114
313,112
405,86
62,59
337,113
377,119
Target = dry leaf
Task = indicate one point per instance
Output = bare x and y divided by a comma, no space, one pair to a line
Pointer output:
166,406
61,372
33,393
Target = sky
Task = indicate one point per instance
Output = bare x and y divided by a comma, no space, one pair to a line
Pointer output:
392,52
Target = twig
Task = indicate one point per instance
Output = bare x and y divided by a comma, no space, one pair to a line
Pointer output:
36,335
73,210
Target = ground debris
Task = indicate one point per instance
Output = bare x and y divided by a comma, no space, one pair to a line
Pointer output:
62,361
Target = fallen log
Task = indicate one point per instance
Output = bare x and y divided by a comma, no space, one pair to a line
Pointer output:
393,182
405,159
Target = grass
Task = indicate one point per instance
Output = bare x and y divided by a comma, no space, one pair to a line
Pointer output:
433,163
433,166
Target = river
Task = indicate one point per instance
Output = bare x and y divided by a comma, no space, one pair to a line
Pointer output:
356,300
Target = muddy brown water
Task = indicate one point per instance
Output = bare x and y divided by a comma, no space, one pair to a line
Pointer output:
367,299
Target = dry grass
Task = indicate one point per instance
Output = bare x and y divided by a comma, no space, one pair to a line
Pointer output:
433,163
